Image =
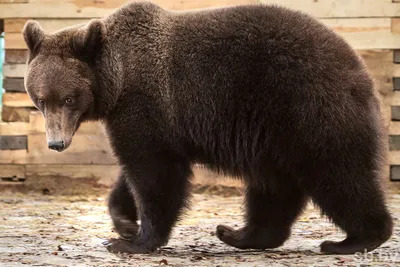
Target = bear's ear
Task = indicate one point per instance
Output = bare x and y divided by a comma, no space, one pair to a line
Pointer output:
33,34
88,41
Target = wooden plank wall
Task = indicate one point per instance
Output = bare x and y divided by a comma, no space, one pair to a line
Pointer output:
370,26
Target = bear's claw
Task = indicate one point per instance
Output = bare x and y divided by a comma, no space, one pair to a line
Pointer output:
117,245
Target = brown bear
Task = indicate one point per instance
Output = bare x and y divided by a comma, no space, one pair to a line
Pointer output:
259,92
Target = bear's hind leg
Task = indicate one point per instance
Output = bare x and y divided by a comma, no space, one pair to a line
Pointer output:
122,209
354,202
269,216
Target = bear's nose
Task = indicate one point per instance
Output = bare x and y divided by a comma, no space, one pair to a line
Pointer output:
56,145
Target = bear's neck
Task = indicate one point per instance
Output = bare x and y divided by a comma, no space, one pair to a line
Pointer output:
109,78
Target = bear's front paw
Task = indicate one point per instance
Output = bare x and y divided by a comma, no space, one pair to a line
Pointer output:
118,245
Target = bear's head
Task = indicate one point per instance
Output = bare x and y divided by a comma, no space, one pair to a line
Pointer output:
60,79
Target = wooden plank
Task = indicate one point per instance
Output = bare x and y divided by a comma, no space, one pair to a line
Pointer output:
341,9
15,128
396,70
15,114
16,56
14,70
13,142
395,99
13,1
394,157
14,84
396,56
11,171
84,149
395,111
379,63
394,128
13,156
17,100
106,174
14,41
394,142
365,33
395,29
396,83
95,9
48,25
395,173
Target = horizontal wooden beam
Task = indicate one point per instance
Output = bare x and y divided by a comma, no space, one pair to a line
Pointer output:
15,56
395,99
365,33
104,174
15,114
395,114
14,84
12,170
95,9
91,9
13,1
394,142
13,142
395,173
48,25
85,149
17,100
14,70
342,9
16,128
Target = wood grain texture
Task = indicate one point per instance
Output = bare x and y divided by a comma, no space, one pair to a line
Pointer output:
95,9
341,9
395,111
17,100
48,25
13,156
16,128
105,174
394,142
15,56
13,142
365,33
85,149
10,171
14,84
15,114
395,173
14,70
13,1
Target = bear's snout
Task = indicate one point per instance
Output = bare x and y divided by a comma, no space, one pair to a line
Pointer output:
56,145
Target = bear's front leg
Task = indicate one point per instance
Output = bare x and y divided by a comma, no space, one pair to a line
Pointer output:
122,208
160,185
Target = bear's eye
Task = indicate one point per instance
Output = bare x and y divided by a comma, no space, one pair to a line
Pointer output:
68,101
41,102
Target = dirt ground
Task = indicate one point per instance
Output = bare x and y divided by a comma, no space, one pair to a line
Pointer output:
42,230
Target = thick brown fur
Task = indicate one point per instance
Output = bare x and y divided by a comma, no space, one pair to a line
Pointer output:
259,92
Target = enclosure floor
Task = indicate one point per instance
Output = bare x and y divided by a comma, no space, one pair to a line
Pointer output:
64,231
